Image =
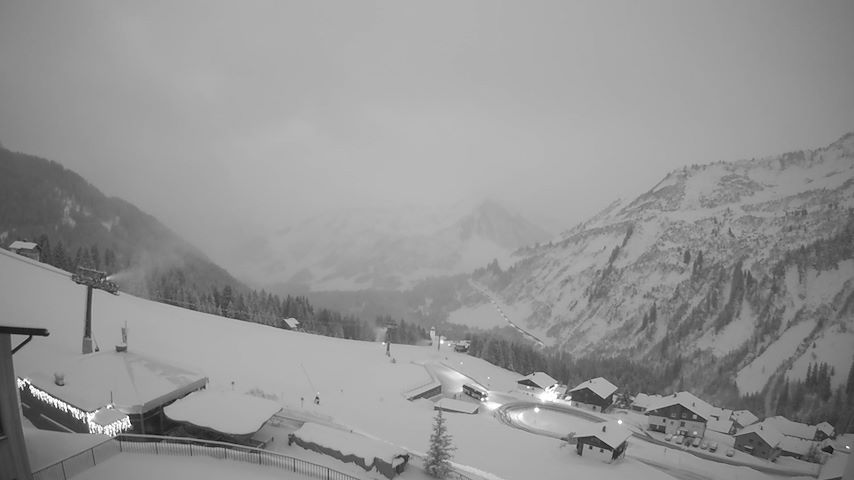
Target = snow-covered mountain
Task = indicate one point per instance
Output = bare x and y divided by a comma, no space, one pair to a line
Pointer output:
743,269
385,248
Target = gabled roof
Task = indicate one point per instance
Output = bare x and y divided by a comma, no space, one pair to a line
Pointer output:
744,417
767,433
687,400
18,244
791,428
292,323
538,379
795,445
597,385
611,433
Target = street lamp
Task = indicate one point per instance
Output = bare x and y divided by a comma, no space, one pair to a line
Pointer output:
92,279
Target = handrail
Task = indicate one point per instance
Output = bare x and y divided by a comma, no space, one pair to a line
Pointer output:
163,445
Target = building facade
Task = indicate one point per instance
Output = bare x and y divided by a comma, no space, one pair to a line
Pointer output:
677,419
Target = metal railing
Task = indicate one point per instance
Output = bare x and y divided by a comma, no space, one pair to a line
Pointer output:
79,462
182,446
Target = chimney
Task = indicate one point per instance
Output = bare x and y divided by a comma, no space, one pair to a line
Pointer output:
603,427
59,378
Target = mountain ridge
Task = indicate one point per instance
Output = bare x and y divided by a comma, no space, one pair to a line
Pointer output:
700,266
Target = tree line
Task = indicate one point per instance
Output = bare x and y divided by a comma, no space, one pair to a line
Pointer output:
175,286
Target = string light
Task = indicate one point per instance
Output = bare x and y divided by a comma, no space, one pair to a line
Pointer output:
111,429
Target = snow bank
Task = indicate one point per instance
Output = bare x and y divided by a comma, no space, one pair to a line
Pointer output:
349,447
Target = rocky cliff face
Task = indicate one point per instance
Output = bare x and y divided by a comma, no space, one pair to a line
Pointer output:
744,269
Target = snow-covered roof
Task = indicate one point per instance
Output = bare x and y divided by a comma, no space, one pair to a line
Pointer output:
19,245
723,425
224,411
451,405
538,379
825,428
348,443
292,323
791,428
643,401
598,385
795,445
133,382
744,417
611,433
720,413
767,433
687,400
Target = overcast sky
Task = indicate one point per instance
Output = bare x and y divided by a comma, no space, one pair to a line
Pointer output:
223,118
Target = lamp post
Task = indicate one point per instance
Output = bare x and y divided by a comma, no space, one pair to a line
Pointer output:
92,279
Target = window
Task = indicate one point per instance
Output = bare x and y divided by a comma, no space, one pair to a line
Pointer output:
693,417
681,424
590,447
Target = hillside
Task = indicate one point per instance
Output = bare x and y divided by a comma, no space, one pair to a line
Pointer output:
44,202
384,249
744,270
361,389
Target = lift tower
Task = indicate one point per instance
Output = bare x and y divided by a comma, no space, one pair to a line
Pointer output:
92,279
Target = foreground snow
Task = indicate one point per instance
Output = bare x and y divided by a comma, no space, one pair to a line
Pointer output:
359,387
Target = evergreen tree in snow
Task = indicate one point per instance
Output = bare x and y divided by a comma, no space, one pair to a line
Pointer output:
438,458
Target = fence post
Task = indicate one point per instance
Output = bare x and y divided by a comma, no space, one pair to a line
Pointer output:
92,451
62,464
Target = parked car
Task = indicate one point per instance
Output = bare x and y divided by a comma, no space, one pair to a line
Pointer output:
678,439
713,447
687,441
704,446
730,452
669,437
697,441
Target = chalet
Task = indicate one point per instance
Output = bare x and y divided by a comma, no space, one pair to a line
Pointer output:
642,401
225,416
13,447
536,383
106,392
743,418
27,249
759,440
596,394
680,414
792,429
824,431
607,439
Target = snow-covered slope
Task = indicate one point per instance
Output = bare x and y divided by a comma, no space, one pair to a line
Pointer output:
388,248
359,387
740,265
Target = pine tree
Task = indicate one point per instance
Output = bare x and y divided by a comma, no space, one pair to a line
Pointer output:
438,458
